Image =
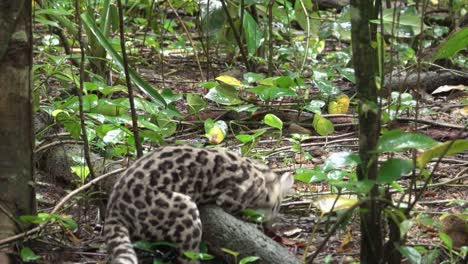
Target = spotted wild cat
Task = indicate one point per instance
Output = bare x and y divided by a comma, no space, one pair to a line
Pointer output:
156,198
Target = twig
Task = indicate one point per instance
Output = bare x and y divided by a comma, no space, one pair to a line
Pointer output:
189,38
60,204
56,143
84,134
430,122
136,134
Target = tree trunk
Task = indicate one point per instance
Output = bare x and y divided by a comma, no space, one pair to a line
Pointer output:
16,123
365,68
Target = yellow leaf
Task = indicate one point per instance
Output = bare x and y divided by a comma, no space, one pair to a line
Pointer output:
330,203
348,239
340,105
228,80
215,135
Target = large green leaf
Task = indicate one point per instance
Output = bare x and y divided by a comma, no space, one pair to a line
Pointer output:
326,87
310,175
454,44
224,94
340,160
252,33
392,169
271,92
195,103
457,146
142,84
397,140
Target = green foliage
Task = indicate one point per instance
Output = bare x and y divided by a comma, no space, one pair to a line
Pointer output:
273,121
28,255
398,141
454,44
43,218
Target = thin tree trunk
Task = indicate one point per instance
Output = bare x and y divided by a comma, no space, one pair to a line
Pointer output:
365,66
16,126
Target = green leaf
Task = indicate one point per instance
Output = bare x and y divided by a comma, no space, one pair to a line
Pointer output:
225,95
252,77
195,103
245,138
271,92
244,108
197,256
208,85
284,82
310,175
88,21
446,239
457,146
248,259
108,107
114,136
392,169
323,126
341,160
453,45
69,223
315,106
253,34
81,170
230,252
398,141
326,87
405,226
348,73
40,218
411,253
28,255
166,126
253,215
273,121
362,187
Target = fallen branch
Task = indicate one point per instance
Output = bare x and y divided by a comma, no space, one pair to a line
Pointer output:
59,205
222,230
428,81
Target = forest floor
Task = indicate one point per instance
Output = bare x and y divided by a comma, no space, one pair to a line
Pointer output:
300,218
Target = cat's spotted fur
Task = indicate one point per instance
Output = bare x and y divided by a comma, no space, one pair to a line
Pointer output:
156,198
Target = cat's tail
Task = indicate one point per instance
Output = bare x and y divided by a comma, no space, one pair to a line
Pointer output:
118,242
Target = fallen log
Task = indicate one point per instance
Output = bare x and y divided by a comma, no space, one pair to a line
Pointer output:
222,230
429,81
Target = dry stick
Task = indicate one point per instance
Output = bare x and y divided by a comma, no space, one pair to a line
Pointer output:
189,38
306,51
430,122
270,37
60,204
56,143
136,134
84,134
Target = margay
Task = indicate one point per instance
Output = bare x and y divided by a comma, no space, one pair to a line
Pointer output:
156,198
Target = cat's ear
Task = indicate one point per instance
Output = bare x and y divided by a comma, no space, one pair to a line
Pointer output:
286,181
